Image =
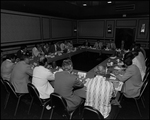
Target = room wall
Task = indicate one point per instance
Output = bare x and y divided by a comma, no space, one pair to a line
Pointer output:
19,28
97,29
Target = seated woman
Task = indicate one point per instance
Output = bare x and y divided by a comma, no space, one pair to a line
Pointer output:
131,78
41,77
99,92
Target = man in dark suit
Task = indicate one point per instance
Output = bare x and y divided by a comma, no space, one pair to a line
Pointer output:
65,83
132,78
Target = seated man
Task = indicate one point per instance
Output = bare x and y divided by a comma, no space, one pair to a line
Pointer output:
86,43
99,92
22,51
96,45
70,45
41,77
62,46
7,67
64,84
100,45
132,78
112,45
46,49
139,61
20,75
35,51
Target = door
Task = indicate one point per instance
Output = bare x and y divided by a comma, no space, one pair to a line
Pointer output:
126,34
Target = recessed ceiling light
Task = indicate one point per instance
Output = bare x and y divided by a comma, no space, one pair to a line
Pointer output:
109,2
84,4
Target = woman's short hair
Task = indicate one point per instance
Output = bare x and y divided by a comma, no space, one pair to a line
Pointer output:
128,58
67,64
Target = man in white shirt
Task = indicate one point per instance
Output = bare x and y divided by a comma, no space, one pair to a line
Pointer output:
62,46
35,51
41,77
139,62
7,67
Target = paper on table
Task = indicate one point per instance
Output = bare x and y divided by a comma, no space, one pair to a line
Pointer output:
117,68
113,78
82,74
119,86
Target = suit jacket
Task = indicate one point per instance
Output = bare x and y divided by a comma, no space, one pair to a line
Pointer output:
132,81
139,61
40,80
64,85
19,53
20,77
52,48
6,69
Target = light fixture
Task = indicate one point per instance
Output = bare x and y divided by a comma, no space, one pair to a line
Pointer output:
84,4
124,15
109,2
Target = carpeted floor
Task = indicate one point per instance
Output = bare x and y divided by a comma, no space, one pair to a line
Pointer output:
84,62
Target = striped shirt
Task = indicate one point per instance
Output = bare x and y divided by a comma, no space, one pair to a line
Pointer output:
99,93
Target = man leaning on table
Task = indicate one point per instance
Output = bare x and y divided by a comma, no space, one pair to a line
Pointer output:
65,83
41,78
99,92
131,78
20,75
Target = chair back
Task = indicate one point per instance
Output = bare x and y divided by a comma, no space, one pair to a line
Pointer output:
91,113
34,93
145,82
146,74
10,88
59,104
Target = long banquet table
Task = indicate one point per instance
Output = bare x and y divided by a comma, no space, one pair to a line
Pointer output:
68,55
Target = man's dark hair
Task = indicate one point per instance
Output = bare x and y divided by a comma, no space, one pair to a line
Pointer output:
23,57
42,61
66,63
23,47
128,58
11,56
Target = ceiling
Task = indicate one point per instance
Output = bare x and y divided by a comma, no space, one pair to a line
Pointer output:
76,10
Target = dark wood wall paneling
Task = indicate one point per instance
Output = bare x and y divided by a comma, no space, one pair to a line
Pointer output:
95,29
91,28
21,28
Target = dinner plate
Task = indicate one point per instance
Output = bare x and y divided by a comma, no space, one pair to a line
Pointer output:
113,57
